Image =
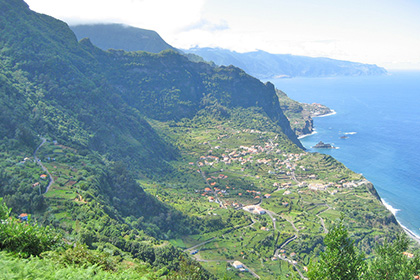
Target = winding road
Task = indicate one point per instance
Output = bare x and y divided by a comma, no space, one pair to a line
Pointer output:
272,215
322,220
38,161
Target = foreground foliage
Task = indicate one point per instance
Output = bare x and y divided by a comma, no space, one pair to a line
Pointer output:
341,261
393,262
47,258
36,268
25,238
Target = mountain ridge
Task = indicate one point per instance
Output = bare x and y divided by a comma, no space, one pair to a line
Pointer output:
119,36
260,64
264,65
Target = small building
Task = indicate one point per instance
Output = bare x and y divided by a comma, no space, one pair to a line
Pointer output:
317,187
409,255
349,185
258,210
267,195
43,176
237,264
23,217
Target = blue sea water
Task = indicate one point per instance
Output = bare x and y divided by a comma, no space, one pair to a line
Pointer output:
381,117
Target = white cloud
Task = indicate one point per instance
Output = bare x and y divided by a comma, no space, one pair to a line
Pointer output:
206,25
149,14
383,32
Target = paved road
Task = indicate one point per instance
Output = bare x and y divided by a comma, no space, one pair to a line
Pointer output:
38,161
272,218
201,244
290,222
322,220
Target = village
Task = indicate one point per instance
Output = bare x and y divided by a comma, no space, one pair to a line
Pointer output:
281,178
259,179
281,165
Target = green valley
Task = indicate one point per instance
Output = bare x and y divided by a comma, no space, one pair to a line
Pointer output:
134,165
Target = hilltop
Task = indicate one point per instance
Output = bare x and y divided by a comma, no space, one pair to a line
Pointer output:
121,37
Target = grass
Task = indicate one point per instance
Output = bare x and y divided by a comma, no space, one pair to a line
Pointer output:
178,243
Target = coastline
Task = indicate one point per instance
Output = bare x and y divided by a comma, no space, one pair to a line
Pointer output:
325,115
394,211
411,234
318,116
306,135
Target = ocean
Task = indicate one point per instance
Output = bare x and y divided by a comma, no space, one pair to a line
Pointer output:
380,115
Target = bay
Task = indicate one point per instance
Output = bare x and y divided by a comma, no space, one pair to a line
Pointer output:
380,115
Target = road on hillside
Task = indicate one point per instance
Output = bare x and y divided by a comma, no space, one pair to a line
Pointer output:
38,161
322,220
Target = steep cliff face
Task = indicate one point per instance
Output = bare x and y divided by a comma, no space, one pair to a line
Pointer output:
101,98
305,129
167,86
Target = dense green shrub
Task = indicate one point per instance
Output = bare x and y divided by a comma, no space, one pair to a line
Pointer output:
25,238
81,256
35,268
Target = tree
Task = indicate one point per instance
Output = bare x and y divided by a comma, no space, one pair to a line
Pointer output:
339,261
25,238
390,262
4,210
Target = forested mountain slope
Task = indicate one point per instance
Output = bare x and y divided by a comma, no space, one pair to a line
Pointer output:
138,155
121,37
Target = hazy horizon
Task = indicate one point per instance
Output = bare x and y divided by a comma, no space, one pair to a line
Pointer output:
375,32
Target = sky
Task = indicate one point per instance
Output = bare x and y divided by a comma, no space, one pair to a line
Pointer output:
382,32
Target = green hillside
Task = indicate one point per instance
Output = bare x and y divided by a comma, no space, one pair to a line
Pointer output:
121,37
148,157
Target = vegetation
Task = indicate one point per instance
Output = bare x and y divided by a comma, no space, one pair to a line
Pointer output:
171,168
121,37
340,260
